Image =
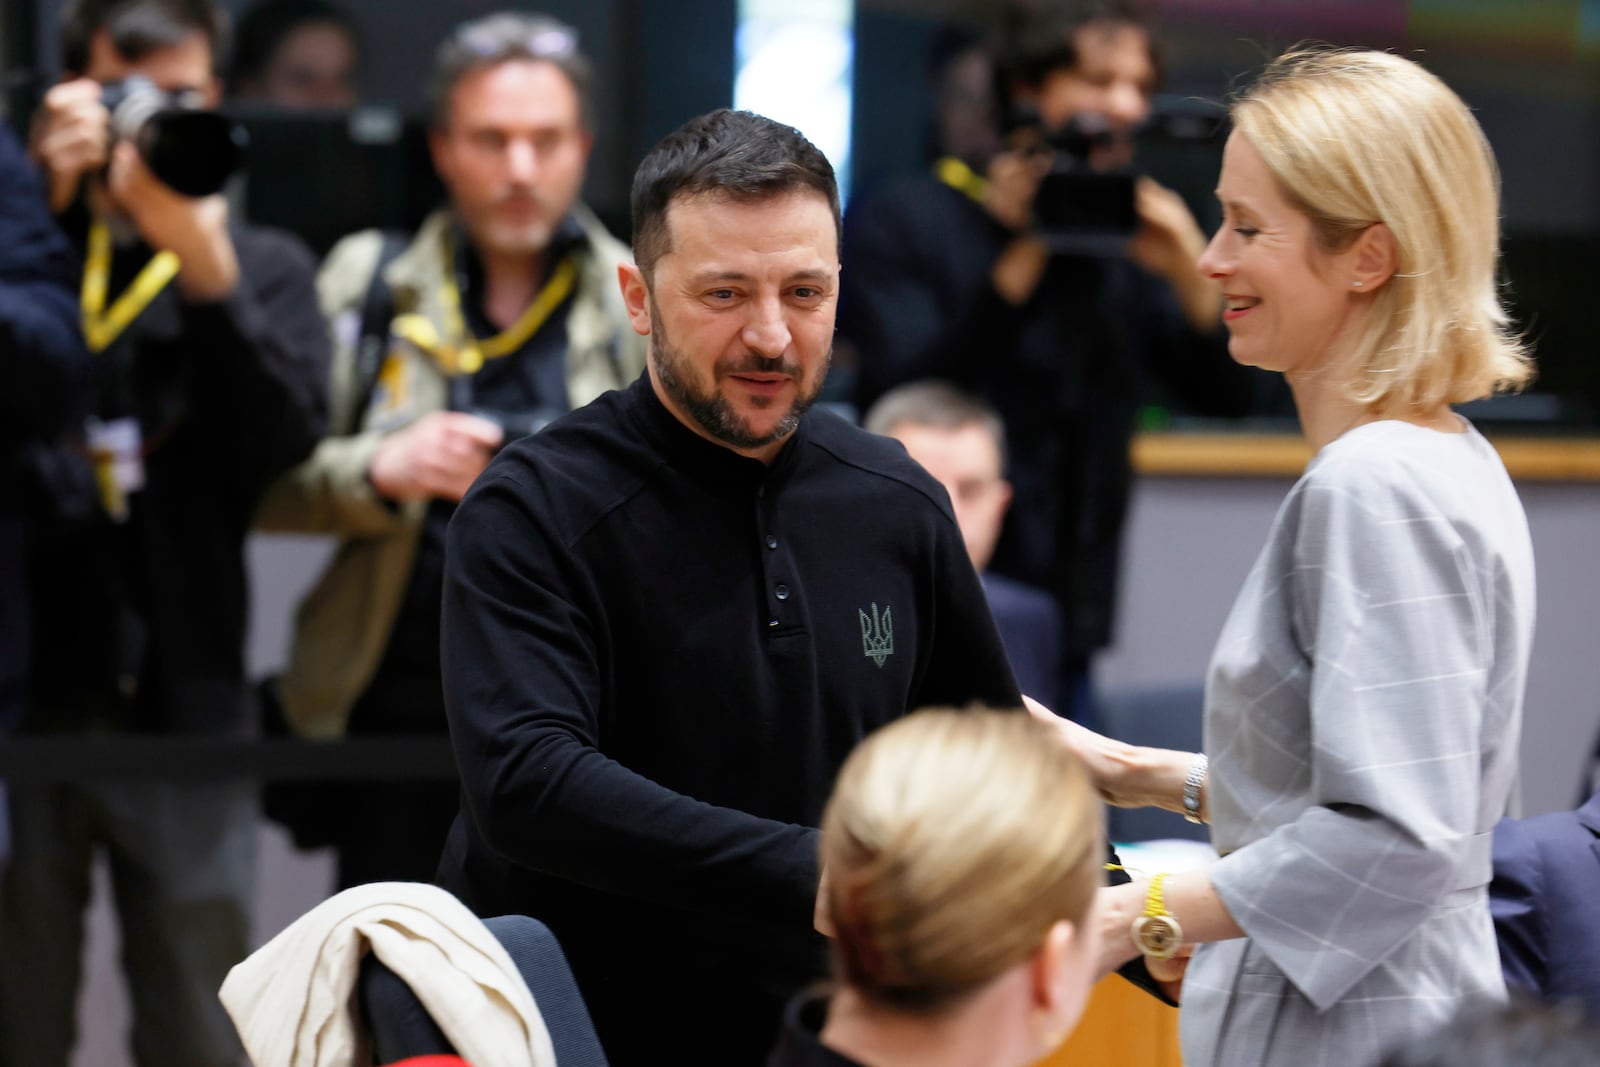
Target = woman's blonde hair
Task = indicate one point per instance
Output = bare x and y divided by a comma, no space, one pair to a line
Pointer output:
1361,137
953,842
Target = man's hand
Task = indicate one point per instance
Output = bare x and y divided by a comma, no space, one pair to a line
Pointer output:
1013,181
1168,974
194,228
71,137
438,455
1169,244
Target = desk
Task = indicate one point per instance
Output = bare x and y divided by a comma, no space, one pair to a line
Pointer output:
1180,453
1122,1025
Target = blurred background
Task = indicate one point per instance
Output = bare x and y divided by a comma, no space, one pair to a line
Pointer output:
854,75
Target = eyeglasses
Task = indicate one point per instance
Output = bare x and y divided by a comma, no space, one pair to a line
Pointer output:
500,36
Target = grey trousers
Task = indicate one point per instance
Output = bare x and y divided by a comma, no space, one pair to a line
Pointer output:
182,864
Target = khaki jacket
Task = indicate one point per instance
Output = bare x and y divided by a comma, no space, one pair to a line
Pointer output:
343,625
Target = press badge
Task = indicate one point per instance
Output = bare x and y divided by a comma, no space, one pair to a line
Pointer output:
116,449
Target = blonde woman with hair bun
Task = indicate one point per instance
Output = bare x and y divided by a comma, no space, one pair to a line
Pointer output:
963,852
1364,699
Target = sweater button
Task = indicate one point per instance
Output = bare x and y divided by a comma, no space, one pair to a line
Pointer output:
781,592
772,542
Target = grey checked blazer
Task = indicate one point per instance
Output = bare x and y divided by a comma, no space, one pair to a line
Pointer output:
1362,716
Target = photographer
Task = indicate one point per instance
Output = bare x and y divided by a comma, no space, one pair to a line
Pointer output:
951,275
502,312
208,362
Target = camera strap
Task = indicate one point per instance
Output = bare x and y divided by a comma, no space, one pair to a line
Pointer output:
963,179
102,327
469,352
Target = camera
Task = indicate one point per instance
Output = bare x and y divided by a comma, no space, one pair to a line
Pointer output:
191,149
1085,209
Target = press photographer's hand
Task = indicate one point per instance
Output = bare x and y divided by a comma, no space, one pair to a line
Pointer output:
438,455
1168,245
1012,181
194,228
71,137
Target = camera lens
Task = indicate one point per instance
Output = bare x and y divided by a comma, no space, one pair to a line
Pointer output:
194,152
189,149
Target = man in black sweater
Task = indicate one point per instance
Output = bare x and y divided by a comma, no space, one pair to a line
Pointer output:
669,617
210,359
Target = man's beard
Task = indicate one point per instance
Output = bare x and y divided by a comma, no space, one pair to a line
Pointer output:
711,410
526,238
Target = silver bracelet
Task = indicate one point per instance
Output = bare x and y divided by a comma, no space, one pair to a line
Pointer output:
1191,787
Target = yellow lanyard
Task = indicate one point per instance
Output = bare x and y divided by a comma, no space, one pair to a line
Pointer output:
962,178
101,327
470,352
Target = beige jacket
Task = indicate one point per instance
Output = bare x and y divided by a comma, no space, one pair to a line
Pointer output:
343,625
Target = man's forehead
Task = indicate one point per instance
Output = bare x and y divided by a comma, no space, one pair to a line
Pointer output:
534,92
184,64
1101,42
969,446
721,207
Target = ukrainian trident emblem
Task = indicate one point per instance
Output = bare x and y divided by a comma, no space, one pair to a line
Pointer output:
877,633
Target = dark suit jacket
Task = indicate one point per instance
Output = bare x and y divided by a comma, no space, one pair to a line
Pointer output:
1029,622
1546,904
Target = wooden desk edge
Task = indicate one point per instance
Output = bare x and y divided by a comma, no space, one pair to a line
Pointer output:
1247,455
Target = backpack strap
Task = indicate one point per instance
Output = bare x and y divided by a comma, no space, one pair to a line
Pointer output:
377,310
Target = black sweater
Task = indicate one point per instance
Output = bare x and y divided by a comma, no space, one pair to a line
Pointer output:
141,624
656,655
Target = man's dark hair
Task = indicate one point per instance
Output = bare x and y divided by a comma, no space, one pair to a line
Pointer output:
266,25
504,38
738,155
1040,36
137,28
935,405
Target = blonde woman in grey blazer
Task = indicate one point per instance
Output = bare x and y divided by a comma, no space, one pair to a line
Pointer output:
1364,699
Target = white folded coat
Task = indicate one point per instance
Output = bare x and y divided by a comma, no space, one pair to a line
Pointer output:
292,1000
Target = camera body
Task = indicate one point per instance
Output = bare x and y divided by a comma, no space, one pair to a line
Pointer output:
190,148
1084,209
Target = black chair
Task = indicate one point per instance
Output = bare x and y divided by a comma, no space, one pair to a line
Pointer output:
1168,717
401,1027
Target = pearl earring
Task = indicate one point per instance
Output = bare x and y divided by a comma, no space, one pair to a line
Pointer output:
1356,284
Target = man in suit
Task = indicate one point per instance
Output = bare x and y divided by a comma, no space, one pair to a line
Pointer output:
1546,881
960,440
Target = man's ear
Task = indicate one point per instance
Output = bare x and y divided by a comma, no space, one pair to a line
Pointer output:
1006,493
212,93
636,296
1374,259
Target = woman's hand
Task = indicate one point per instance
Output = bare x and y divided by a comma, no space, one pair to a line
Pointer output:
1129,776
